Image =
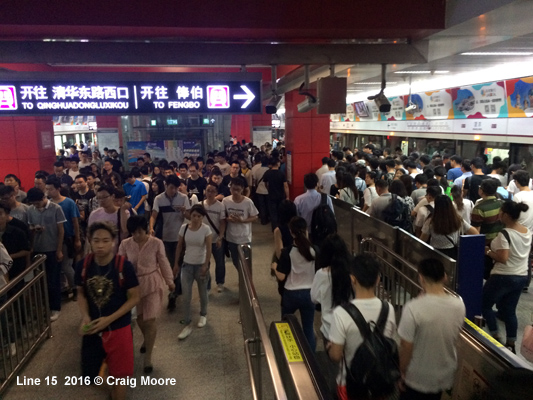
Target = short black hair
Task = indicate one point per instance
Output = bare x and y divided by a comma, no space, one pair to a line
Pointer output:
331,163
106,188
421,178
82,176
237,181
477,163
432,270
52,180
41,177
148,155
5,207
144,170
173,180
489,186
34,194
137,222
199,209
365,268
103,225
183,165
434,191
310,181
59,164
522,177
466,165
382,183
425,159
458,159
325,160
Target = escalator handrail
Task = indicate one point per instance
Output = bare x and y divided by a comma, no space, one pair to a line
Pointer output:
469,329
319,382
261,325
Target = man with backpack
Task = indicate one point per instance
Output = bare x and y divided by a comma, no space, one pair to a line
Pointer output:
425,211
108,289
429,329
360,338
379,204
307,204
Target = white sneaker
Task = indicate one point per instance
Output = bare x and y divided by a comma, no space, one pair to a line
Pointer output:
202,321
185,332
54,315
220,288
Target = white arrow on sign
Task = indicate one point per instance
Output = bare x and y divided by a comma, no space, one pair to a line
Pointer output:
248,96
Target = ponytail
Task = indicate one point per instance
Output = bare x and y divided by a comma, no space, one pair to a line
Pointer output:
457,196
298,228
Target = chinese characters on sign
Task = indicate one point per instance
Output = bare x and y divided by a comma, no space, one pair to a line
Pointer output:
34,98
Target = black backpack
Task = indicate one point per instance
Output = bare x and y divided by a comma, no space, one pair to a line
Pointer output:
397,214
323,222
374,370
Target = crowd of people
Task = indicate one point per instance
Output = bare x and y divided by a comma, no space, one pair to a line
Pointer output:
117,239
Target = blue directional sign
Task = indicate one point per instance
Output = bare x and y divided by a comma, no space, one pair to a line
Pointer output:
39,97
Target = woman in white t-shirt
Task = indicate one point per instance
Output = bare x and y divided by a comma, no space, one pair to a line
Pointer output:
464,206
347,190
196,237
444,226
296,268
370,192
332,284
510,251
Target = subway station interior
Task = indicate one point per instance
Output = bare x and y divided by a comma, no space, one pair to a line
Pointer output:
180,80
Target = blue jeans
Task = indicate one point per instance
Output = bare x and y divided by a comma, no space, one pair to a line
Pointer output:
53,279
189,274
301,300
220,263
234,251
504,291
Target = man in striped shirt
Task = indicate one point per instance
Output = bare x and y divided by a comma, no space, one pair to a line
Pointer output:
486,213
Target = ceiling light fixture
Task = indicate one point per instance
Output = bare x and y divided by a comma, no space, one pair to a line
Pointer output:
373,83
501,53
422,72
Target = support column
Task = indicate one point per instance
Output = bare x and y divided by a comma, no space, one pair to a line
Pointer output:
306,137
241,126
26,146
110,121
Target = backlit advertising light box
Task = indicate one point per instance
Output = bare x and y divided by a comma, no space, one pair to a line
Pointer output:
46,97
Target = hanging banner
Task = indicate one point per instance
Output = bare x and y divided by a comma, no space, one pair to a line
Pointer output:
397,111
520,97
137,149
480,101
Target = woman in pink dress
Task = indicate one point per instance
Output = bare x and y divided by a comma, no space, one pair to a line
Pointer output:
147,254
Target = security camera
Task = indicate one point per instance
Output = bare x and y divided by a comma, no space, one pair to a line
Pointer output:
307,105
272,106
411,108
381,101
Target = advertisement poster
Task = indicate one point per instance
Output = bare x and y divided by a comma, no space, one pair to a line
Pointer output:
108,137
431,105
173,151
350,113
480,101
520,97
397,111
191,148
137,149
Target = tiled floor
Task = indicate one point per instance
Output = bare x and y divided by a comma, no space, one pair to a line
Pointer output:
209,364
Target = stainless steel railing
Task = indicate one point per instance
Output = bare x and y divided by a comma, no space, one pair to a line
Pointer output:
480,359
24,319
257,345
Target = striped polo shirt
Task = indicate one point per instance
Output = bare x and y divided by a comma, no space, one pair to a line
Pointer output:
486,215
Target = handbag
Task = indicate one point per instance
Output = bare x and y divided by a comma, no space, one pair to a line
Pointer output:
526,348
182,253
489,262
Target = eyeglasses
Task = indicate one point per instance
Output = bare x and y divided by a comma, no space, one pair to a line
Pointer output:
102,197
